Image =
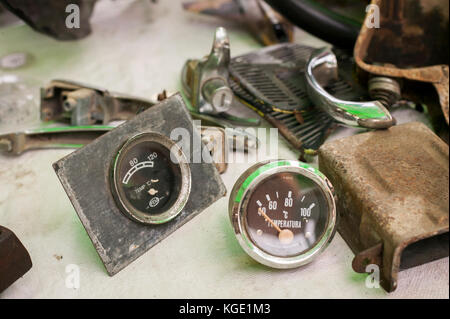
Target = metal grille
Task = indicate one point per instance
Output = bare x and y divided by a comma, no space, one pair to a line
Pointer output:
271,80
305,130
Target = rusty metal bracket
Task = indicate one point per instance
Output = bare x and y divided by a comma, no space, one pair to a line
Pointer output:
393,195
81,104
411,43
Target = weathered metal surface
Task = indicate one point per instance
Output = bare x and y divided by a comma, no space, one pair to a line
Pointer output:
82,104
85,175
393,190
411,43
14,258
264,23
384,89
49,17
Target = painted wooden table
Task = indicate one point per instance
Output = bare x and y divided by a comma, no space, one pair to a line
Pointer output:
139,48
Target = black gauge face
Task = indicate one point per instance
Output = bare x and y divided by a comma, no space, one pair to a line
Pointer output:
146,179
287,214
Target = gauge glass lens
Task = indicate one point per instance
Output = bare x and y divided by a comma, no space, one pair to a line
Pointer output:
148,181
287,214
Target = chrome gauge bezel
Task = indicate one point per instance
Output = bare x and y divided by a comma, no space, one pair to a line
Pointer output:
244,188
176,152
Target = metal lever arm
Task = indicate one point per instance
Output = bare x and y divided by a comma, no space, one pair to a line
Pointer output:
320,70
52,137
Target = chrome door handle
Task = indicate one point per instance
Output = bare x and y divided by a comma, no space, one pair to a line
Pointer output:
320,69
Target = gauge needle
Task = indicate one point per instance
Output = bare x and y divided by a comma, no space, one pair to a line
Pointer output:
284,235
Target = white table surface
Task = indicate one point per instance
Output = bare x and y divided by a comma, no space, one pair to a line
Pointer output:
139,48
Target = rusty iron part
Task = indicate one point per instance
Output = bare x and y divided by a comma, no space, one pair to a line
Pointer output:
14,258
50,137
49,17
118,239
263,22
384,89
81,104
411,43
393,195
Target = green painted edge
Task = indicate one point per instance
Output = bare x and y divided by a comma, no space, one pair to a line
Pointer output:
63,145
72,128
363,112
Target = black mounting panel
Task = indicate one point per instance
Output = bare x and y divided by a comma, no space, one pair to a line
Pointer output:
85,176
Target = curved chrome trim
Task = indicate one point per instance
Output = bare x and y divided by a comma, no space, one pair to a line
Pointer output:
322,67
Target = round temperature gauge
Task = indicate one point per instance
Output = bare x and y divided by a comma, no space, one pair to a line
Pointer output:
151,179
283,213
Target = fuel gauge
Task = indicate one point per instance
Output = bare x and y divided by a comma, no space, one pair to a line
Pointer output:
283,213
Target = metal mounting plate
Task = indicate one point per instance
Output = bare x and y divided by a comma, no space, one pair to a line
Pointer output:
85,174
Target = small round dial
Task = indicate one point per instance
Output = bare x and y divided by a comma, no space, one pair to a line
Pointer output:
151,179
287,214
283,213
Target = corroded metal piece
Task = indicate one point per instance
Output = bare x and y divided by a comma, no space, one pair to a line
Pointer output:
411,43
82,104
85,176
14,258
393,195
52,137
